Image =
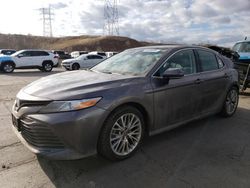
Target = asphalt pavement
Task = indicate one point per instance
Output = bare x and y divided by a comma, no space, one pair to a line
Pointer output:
213,152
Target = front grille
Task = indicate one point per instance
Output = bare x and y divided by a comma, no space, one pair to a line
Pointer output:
22,103
39,135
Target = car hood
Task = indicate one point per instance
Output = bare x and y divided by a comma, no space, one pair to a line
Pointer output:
68,60
5,57
74,85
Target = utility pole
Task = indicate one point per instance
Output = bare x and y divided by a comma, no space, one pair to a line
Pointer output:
47,21
111,18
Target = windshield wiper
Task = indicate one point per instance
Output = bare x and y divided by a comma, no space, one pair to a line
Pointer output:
105,72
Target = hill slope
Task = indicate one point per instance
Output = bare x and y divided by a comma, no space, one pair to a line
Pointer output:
88,43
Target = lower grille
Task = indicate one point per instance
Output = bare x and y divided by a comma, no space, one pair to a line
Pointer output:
39,135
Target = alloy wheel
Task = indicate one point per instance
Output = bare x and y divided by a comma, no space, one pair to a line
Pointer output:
231,101
47,66
8,68
125,134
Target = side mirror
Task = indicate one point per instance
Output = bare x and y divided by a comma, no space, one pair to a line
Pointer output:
20,55
173,73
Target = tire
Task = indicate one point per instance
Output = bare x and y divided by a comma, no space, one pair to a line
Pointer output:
231,102
75,66
117,141
47,67
8,67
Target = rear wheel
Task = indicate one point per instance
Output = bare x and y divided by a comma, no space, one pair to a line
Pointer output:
231,102
8,67
47,67
122,133
75,66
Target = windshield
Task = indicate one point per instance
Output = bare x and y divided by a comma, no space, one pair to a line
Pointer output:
81,56
135,62
16,53
242,47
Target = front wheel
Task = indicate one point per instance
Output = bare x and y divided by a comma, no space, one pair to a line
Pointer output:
75,66
122,134
8,68
231,102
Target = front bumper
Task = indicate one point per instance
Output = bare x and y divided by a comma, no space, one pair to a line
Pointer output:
66,66
63,136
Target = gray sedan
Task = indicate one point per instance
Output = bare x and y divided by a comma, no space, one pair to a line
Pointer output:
111,107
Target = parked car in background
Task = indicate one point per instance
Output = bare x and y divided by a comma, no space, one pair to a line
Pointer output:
7,51
109,108
62,54
243,49
109,54
75,54
103,54
243,63
27,59
82,62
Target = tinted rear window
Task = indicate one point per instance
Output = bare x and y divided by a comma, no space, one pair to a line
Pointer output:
39,53
208,60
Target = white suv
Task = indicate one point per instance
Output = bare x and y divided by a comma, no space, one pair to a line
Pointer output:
26,59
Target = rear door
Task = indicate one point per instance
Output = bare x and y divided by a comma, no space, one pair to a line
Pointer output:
86,61
215,80
92,60
179,99
96,59
36,58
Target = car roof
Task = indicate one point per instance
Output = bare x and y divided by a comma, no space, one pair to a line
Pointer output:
36,50
177,46
242,41
7,49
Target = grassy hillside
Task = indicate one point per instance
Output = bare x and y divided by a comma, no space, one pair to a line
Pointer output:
88,43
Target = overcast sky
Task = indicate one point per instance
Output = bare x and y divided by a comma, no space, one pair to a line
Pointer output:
179,21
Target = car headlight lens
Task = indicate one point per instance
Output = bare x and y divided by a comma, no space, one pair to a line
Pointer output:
65,106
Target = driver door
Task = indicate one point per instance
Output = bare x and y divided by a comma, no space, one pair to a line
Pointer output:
177,100
24,59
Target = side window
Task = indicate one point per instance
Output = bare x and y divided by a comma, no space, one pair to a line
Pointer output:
39,53
220,63
34,53
97,57
26,54
184,59
90,57
43,53
208,60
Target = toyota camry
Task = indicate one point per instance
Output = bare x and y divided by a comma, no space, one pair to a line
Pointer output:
110,108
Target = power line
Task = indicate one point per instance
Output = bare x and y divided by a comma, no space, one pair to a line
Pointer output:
47,14
111,18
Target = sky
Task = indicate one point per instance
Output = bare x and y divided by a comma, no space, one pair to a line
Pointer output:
221,22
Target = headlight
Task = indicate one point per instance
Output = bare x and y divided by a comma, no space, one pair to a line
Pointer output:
64,106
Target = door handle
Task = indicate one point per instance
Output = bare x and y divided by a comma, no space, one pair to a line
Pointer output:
198,81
